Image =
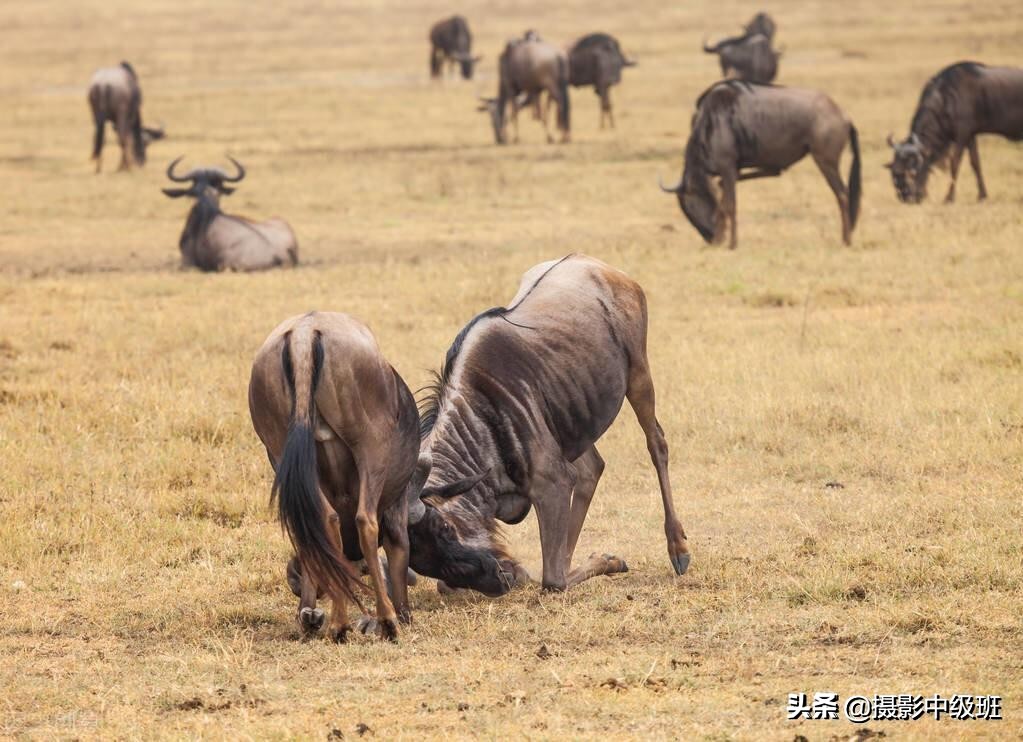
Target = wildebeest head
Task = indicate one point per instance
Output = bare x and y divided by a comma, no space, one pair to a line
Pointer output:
909,168
208,182
467,62
493,107
693,190
454,541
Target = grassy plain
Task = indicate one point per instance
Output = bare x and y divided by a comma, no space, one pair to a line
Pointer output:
141,574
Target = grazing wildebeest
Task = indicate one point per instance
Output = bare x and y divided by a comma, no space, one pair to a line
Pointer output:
596,59
451,40
115,96
215,241
740,125
511,424
341,429
761,24
957,104
752,59
528,67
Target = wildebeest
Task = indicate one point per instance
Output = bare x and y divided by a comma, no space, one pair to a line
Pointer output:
215,241
115,96
751,59
761,24
766,128
529,67
512,422
596,59
957,104
451,40
341,429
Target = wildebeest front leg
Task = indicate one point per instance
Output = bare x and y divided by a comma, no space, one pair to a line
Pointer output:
605,106
975,164
953,170
310,618
728,207
640,393
397,549
551,493
595,566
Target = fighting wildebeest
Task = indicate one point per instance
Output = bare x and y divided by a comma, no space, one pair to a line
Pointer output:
341,429
115,96
596,59
215,241
957,104
529,67
739,125
752,59
451,40
512,422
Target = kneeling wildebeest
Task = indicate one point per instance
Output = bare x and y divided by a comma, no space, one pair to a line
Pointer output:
341,429
451,40
596,59
215,241
512,422
115,96
739,125
529,67
957,104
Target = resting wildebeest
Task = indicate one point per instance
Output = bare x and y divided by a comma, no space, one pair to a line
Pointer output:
115,96
957,104
451,40
341,429
215,241
739,125
525,393
528,67
752,59
596,59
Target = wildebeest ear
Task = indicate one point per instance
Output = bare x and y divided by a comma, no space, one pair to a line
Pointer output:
889,165
226,190
177,192
461,486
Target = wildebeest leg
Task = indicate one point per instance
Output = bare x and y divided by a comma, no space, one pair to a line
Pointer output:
339,625
546,128
550,492
829,169
975,164
605,106
124,138
953,170
588,468
640,393
728,207
310,618
397,550
596,565
370,489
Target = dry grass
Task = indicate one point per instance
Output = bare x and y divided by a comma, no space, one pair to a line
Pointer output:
133,491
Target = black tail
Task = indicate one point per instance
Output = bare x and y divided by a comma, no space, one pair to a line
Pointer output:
138,143
299,505
99,118
855,186
564,110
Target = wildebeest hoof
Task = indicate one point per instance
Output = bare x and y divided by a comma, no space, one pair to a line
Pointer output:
310,620
680,562
388,629
366,625
340,635
615,565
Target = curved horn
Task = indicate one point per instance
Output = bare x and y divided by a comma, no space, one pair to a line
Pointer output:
416,508
172,176
708,49
891,141
239,176
914,139
674,189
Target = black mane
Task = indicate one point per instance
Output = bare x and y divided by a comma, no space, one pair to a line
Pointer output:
429,405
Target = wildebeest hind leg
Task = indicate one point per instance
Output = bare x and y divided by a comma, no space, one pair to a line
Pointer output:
369,539
310,618
397,549
640,394
589,468
829,169
975,164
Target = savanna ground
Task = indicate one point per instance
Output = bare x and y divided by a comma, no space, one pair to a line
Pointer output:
141,572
